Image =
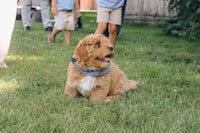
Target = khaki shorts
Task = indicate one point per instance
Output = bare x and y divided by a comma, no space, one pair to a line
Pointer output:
64,20
107,15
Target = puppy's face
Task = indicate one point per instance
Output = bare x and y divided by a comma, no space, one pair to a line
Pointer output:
94,52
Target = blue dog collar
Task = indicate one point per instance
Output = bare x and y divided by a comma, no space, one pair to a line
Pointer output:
94,73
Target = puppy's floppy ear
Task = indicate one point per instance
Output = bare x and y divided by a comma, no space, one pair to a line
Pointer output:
81,50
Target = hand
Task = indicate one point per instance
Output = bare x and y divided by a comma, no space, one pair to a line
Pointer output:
54,11
78,13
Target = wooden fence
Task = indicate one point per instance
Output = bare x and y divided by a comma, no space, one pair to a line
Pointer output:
146,10
137,10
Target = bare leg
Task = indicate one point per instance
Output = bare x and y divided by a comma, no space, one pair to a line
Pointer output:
68,36
112,33
52,36
101,28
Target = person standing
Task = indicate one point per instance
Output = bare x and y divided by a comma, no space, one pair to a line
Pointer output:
45,13
6,28
109,13
64,19
106,33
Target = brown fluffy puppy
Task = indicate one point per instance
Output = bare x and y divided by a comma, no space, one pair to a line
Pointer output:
92,74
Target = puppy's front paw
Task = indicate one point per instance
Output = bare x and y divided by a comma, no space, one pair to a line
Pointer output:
71,93
107,100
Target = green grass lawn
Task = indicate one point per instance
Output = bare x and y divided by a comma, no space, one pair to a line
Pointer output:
32,98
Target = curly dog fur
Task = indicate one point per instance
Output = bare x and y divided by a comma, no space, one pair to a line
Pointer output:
92,74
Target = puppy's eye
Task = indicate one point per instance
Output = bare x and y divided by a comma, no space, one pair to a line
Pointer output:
97,45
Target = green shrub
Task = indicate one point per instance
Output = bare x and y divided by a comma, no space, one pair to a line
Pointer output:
187,21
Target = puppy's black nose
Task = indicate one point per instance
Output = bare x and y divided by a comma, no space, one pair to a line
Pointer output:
111,48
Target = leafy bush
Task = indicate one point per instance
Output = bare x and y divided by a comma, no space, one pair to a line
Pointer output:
186,23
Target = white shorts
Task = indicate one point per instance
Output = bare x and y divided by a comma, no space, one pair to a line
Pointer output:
65,20
107,15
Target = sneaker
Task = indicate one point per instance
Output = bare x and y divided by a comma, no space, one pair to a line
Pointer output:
49,29
27,28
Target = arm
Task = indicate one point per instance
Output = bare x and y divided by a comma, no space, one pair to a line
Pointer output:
77,8
54,7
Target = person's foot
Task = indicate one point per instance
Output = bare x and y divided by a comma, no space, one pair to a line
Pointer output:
27,28
3,65
49,29
51,39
